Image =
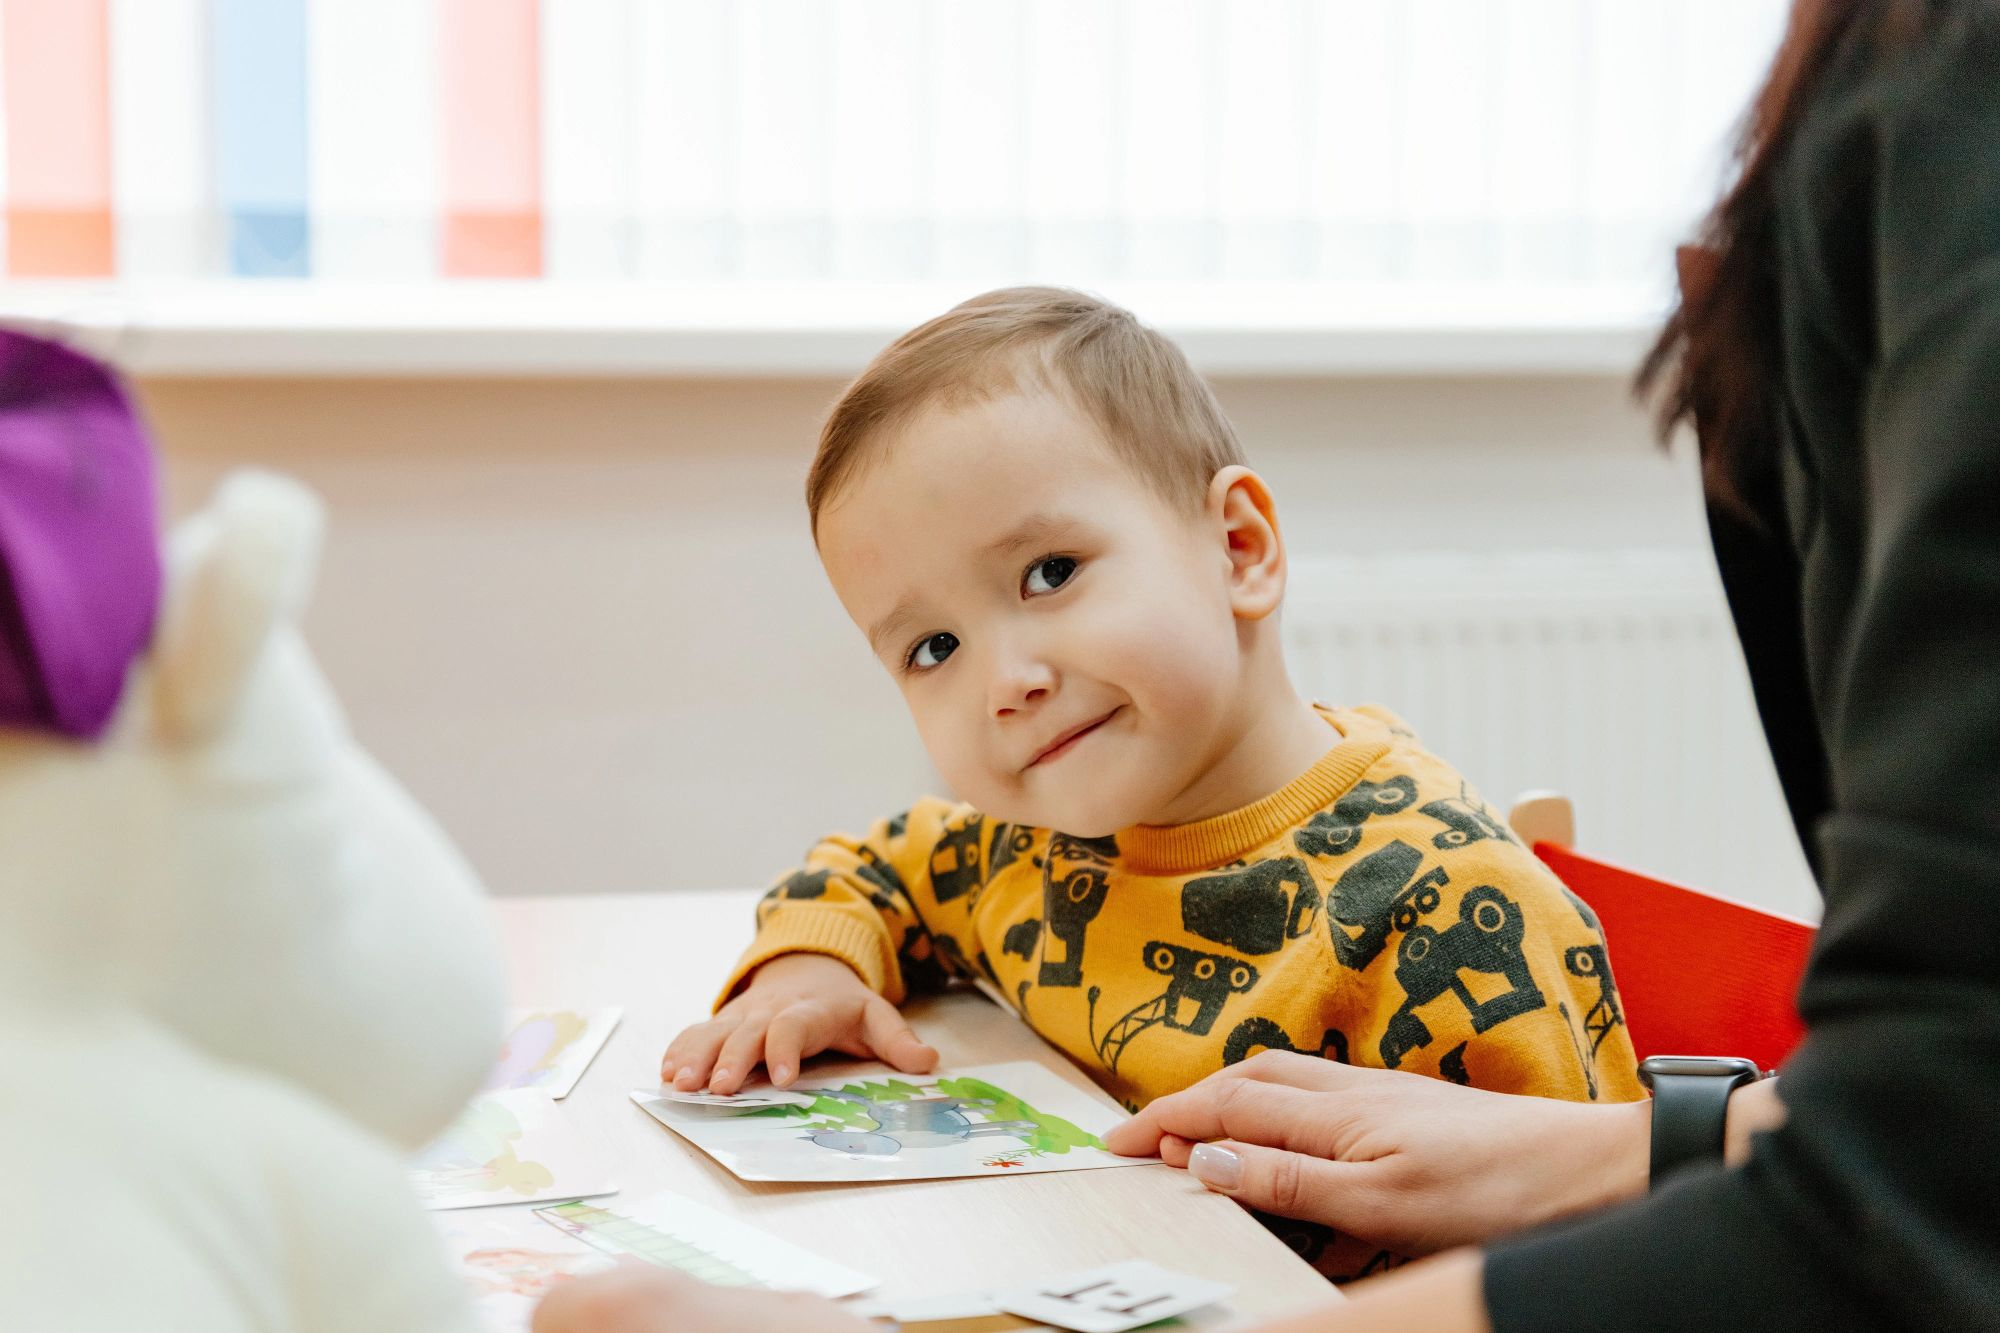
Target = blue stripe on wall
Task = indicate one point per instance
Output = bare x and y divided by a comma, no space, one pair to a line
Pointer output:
260,135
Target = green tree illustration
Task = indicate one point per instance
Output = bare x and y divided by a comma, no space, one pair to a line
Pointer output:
1052,1136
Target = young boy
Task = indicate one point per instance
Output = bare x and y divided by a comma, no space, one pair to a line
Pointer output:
1164,858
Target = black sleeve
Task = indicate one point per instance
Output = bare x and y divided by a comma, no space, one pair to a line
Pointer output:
1878,1203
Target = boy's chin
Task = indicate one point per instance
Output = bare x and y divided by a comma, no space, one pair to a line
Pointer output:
1079,819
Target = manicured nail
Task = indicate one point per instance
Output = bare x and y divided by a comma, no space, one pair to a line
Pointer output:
780,1073
1216,1166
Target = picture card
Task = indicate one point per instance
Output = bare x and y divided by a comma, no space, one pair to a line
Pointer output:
509,1147
1111,1299
550,1048
875,1124
941,1314
676,1232
749,1098
510,1260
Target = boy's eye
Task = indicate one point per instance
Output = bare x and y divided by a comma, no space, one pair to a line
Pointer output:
932,651
1048,575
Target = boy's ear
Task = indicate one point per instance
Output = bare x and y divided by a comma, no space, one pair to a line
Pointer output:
1240,504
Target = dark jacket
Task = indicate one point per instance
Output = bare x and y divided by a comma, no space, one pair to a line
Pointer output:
1867,595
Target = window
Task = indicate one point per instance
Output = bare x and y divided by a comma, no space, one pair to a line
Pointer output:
1431,154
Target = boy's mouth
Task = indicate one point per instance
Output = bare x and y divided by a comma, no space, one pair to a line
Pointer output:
1063,743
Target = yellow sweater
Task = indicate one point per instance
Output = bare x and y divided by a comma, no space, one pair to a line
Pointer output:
1373,911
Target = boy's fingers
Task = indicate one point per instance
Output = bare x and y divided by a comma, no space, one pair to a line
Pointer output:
739,1056
695,1050
1290,1184
677,1051
891,1038
798,1031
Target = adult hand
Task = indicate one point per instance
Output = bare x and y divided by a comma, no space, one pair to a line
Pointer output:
1406,1162
640,1298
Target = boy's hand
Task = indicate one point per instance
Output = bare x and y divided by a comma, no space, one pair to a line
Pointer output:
796,1005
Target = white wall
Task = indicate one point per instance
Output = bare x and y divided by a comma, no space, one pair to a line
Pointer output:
583,620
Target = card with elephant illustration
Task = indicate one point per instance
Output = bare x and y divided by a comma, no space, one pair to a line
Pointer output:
866,1122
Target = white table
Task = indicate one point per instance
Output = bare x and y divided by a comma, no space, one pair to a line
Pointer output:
661,956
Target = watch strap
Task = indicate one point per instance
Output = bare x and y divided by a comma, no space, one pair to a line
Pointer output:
1691,1109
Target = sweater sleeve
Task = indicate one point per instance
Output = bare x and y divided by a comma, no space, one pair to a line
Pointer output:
1873,1205
871,901
1544,1020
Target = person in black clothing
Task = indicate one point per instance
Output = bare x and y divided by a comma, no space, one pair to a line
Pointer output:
1838,349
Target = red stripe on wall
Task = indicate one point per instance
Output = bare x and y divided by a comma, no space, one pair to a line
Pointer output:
491,85
58,104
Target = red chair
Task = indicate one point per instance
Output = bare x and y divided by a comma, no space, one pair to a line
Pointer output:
1696,974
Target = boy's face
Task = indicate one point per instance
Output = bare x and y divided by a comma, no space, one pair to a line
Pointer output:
1063,635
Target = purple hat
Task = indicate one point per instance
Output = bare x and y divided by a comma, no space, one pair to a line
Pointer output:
79,538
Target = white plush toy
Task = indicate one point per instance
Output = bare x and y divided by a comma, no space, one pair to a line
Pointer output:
242,976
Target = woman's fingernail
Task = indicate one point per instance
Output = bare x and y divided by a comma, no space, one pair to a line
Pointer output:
779,1073
1215,1165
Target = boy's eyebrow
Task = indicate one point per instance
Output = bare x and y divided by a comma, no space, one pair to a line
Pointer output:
1031,531
906,611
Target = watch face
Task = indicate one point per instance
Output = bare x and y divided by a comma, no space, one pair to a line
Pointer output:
1709,1066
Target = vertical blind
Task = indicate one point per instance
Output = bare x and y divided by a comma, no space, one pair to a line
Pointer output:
1224,141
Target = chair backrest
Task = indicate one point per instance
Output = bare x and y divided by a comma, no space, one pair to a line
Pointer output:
1696,974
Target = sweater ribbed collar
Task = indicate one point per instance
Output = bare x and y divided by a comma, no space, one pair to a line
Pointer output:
1176,849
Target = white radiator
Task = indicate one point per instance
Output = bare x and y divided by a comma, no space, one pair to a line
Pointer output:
1613,677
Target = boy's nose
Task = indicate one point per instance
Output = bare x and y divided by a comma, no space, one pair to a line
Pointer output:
1019,688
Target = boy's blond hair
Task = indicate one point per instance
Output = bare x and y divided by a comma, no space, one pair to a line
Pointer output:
1155,412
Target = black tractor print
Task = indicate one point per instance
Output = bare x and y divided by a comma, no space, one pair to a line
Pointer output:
1589,962
800,884
1584,1057
1069,847
952,954
1466,820
1337,832
1262,1034
924,971
1076,877
1198,983
1022,937
1379,893
1249,910
1486,938
1010,842
955,859
886,890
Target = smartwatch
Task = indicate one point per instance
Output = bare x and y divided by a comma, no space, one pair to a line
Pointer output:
1691,1107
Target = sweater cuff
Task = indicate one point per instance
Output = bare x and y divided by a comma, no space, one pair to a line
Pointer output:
833,931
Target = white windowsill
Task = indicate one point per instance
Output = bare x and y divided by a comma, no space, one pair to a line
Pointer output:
531,328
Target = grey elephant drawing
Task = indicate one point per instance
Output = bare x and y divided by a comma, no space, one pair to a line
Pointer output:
920,1122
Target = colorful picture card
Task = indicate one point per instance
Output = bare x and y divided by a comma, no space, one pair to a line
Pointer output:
874,1124
550,1048
676,1232
510,1259
509,1147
